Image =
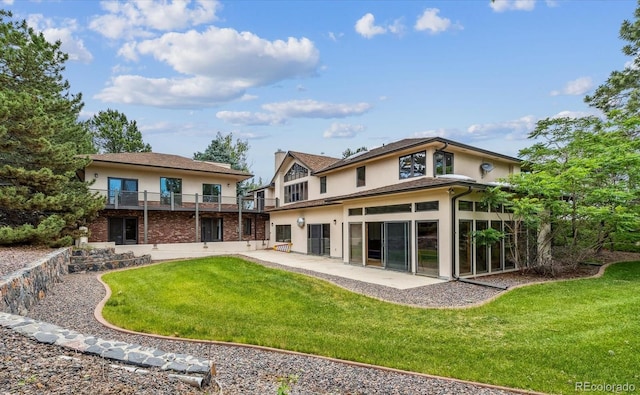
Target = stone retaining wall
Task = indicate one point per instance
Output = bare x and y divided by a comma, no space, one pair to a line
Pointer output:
93,260
22,289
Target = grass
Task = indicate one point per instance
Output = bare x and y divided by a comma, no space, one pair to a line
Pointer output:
543,337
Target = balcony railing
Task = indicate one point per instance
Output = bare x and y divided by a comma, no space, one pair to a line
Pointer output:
127,200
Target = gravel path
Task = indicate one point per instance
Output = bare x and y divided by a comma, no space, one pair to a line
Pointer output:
29,367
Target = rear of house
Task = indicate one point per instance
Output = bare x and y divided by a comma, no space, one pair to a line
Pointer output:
154,198
410,206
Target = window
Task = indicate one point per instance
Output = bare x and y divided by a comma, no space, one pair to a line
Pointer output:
211,193
323,184
481,207
283,233
442,163
428,206
296,171
396,208
246,227
413,165
465,205
169,186
360,176
295,192
125,190
355,211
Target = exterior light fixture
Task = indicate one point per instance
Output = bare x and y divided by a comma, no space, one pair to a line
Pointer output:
300,222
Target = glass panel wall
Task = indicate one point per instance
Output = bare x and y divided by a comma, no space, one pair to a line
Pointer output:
465,247
496,249
355,243
482,250
427,247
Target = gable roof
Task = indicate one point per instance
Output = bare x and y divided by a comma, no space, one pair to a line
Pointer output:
405,144
166,161
313,162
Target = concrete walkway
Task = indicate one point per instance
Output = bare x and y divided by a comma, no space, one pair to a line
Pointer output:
320,264
336,267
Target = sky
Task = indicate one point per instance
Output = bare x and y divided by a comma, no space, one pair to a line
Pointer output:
323,76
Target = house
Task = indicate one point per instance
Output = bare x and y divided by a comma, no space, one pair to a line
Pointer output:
154,198
411,205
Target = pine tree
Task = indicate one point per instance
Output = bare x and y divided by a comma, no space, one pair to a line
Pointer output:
113,132
42,199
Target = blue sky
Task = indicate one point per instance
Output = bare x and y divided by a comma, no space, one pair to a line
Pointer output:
323,76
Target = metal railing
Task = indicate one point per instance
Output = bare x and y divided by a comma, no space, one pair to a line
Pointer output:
137,200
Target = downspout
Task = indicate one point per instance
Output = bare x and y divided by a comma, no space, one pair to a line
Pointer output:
454,198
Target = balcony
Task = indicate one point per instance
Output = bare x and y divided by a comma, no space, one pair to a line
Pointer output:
127,200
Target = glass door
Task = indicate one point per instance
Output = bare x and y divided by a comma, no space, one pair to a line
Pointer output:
355,243
427,248
396,245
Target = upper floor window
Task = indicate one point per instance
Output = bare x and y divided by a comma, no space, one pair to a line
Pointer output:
360,176
211,193
323,184
296,171
295,192
442,163
169,187
413,165
125,190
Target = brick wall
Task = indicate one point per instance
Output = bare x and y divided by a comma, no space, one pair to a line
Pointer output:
177,226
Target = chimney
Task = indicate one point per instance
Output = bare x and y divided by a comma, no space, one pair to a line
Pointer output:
280,155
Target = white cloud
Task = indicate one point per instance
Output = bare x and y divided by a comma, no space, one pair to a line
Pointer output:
430,21
229,54
576,87
7,2
342,130
572,114
516,129
437,133
170,93
218,65
366,27
249,118
513,5
140,18
315,109
70,44
335,36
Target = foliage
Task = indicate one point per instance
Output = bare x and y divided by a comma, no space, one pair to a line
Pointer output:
223,149
348,152
42,200
112,133
541,337
582,184
622,88
285,383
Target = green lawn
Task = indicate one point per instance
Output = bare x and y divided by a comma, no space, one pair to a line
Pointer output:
543,337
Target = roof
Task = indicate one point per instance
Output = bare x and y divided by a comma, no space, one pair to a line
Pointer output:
303,204
403,145
314,162
166,161
409,186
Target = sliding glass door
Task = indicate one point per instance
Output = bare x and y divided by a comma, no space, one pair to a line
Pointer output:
396,246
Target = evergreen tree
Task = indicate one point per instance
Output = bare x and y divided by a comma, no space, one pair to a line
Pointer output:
42,199
224,150
112,132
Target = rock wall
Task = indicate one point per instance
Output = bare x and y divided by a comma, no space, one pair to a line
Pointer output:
93,260
22,289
